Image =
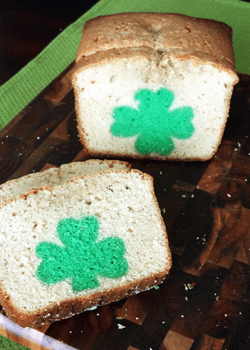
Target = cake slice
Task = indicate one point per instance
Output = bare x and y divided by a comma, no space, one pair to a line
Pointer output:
56,176
153,85
91,241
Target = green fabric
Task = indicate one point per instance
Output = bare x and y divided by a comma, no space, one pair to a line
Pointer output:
152,122
20,90
7,344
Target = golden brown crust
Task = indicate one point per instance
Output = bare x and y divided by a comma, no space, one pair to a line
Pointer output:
115,161
161,32
147,157
68,308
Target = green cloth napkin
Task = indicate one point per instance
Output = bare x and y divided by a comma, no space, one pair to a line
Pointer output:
21,89
7,344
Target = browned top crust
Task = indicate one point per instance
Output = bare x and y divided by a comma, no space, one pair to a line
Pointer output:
162,32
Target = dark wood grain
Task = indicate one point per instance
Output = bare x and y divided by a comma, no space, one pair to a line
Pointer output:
204,303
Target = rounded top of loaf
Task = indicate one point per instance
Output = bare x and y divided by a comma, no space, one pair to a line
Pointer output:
162,32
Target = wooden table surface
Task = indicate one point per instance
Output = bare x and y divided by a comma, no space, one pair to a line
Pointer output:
205,301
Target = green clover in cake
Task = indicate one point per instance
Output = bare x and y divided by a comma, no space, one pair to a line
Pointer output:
153,122
82,258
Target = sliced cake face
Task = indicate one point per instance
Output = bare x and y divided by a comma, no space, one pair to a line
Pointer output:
56,176
14,188
71,170
161,32
94,236
139,103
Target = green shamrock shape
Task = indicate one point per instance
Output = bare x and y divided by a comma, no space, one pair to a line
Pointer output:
81,258
153,122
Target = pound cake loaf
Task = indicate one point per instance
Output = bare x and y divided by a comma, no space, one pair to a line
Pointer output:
91,241
153,85
56,176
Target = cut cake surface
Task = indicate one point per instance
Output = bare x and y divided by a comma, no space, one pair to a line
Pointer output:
44,266
153,86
